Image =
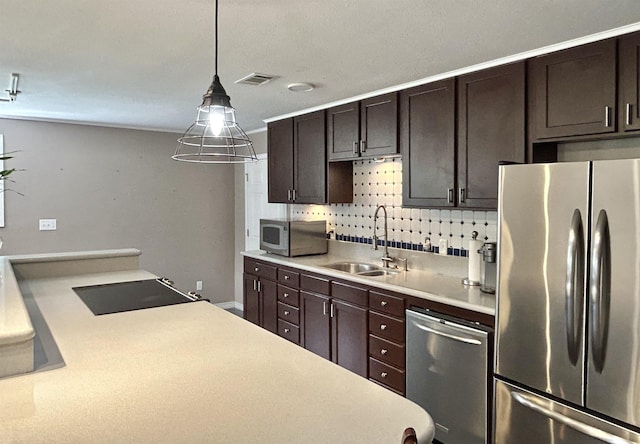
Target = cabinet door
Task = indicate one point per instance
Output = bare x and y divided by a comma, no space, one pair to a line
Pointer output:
427,123
575,90
269,305
280,160
251,299
343,131
315,323
630,82
310,169
491,128
349,337
379,125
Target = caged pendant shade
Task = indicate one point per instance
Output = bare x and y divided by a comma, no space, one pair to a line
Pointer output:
215,137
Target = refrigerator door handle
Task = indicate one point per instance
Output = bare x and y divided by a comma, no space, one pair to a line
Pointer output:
579,426
574,286
600,291
450,336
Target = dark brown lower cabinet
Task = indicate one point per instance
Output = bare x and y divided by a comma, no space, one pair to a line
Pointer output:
261,302
335,330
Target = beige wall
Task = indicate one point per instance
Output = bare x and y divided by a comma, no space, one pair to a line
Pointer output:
259,140
115,188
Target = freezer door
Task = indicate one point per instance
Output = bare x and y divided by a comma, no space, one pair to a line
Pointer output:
447,375
543,217
524,417
613,379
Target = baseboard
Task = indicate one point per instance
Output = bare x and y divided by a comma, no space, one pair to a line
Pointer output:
231,304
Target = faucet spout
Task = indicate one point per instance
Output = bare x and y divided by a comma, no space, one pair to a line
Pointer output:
385,258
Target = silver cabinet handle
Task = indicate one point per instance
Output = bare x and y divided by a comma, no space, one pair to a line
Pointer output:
355,148
607,116
579,426
574,285
293,195
384,351
286,278
286,312
289,195
324,308
383,326
285,295
256,269
461,194
259,286
363,146
286,330
332,310
255,288
450,195
383,303
450,336
628,114
383,374
600,290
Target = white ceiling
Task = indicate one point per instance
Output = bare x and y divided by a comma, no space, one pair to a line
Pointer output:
146,63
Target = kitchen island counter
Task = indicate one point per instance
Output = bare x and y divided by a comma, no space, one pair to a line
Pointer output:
185,373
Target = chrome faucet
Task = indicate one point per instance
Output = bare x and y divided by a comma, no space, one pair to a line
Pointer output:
386,259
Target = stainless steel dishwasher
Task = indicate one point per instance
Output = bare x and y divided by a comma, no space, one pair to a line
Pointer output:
448,374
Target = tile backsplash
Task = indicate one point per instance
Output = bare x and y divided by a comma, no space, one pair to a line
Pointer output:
380,183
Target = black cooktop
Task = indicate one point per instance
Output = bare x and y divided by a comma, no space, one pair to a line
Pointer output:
128,296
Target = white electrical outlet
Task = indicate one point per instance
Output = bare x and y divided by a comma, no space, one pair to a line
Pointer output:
198,285
443,244
47,224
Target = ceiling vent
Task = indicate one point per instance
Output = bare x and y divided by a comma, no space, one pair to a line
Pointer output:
256,79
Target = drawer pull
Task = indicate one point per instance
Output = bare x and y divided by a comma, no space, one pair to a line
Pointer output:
384,351
286,278
256,269
383,326
383,374
286,295
384,303
286,330
286,312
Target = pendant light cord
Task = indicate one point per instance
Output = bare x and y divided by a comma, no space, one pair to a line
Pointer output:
216,41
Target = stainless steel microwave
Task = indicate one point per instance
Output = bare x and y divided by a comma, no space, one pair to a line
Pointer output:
293,237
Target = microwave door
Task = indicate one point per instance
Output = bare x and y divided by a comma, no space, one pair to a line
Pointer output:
274,238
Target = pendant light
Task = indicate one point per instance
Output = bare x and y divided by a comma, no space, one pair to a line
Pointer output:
215,137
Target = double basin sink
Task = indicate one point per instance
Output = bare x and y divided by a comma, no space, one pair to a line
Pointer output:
360,269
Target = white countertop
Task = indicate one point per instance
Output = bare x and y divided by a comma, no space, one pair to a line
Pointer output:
419,283
187,373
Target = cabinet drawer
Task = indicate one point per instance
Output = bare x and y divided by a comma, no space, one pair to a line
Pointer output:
349,293
289,331
385,351
289,296
386,374
314,283
260,269
288,277
288,313
386,327
386,304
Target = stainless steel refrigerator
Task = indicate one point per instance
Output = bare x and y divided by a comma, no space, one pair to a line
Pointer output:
567,366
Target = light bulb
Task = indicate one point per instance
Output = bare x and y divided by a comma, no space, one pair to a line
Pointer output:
216,117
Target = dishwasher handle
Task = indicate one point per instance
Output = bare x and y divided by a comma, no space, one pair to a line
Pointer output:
457,338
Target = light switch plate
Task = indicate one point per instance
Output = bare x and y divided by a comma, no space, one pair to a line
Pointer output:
442,247
47,224
198,285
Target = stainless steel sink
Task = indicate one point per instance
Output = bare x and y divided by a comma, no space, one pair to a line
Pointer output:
352,267
379,272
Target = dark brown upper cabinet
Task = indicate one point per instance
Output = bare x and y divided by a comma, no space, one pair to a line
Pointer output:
368,128
280,160
629,85
297,162
491,128
574,91
427,143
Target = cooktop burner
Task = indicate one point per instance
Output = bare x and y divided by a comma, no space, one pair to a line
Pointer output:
128,296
